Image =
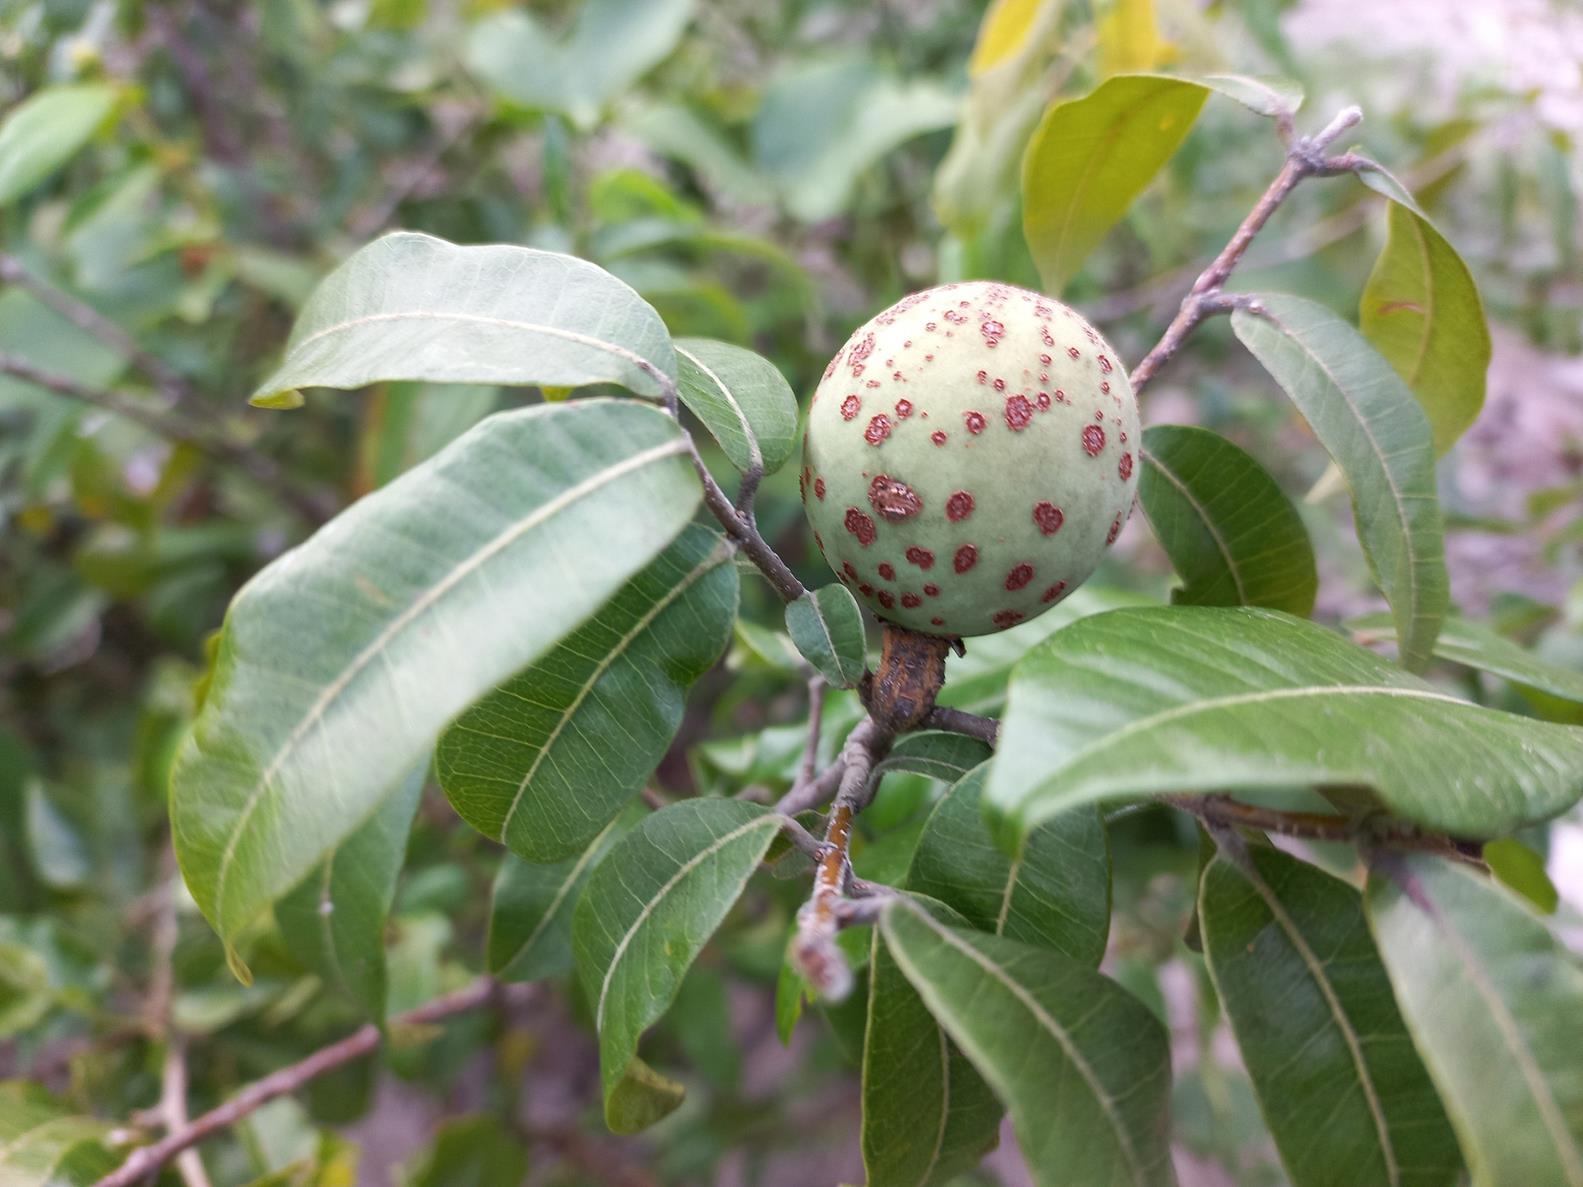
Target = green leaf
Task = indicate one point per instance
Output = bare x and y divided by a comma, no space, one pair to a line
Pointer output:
1493,1002
46,130
334,921
1055,893
545,761
648,910
827,627
1517,867
414,307
530,915
1264,95
1376,433
1090,157
1199,699
44,1145
1343,1091
1422,311
744,402
1082,1065
935,753
612,44
1231,533
341,661
470,1152
1479,647
927,1115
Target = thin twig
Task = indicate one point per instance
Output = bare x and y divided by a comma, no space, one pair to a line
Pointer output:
1219,812
959,721
1304,158
810,750
144,1162
172,1109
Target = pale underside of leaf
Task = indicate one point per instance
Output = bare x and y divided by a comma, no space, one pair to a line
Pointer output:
755,454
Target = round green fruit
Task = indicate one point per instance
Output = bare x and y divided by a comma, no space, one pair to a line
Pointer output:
971,453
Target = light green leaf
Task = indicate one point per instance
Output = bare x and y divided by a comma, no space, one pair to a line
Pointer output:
648,910
1090,157
612,44
545,761
1422,311
744,402
43,132
676,131
1082,1065
935,753
827,627
25,995
1264,95
1342,1089
334,921
469,1152
405,423
1517,867
1475,646
927,1115
342,660
1199,699
1493,1002
530,915
42,1144
1055,893
1231,533
414,307
1376,433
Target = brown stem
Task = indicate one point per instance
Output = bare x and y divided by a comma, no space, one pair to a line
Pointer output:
958,721
900,695
1222,812
143,1163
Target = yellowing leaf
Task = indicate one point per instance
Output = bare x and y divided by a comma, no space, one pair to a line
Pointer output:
1004,32
1129,38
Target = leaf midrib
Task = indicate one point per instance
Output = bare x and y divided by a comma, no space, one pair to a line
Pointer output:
418,607
561,891
1224,549
755,454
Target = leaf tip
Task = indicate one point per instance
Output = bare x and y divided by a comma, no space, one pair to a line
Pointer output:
284,399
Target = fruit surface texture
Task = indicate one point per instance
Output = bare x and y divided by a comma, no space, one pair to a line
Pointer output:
971,453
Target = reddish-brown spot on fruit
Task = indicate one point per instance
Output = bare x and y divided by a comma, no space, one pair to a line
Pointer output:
1115,529
1124,467
1045,359
959,506
1053,592
1049,517
910,601
849,570
872,383
932,590
921,557
1019,412
878,429
893,499
1060,396
966,557
802,484
903,409
849,406
1104,364
886,599
937,621
818,488
860,526
955,318
1019,576
1000,385
937,437
1006,618
1073,352
983,376
1044,332
887,570
866,590
830,369
1093,440
860,352
992,330
819,540
975,422
1043,401
1105,388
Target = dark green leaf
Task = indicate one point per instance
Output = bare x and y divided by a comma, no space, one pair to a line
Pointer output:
1231,533
42,133
545,762
827,627
937,754
470,1152
1055,893
342,660
744,402
645,914
1493,1001
1082,1065
1373,428
334,922
1479,647
1198,699
42,1144
1345,1095
414,307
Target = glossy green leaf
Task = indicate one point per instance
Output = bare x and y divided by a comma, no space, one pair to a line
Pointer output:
935,753
1475,646
1340,1083
612,43
927,1115
1232,535
414,307
1493,1001
1374,430
470,1152
42,1144
1090,157
1421,310
341,661
827,627
1055,893
530,914
544,762
43,132
334,921
648,910
1082,1065
744,402
1199,699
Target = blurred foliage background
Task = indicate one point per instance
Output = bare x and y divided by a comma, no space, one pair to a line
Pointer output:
768,174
